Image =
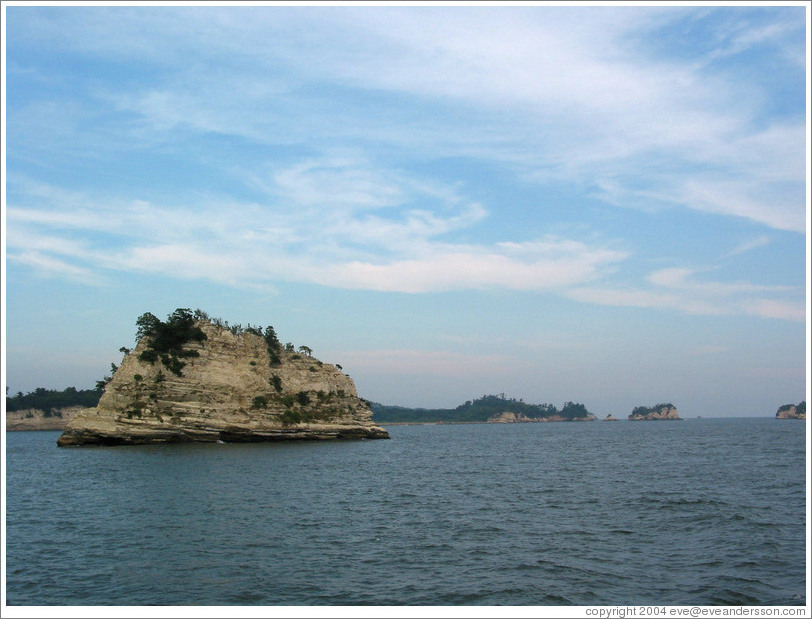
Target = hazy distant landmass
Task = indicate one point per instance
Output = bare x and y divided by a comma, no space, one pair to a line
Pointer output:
47,409
51,401
487,409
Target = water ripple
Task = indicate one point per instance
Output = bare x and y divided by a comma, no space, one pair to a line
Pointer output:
439,515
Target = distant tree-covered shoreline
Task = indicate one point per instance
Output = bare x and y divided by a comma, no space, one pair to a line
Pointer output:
477,411
50,400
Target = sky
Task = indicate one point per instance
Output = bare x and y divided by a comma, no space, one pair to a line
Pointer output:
600,204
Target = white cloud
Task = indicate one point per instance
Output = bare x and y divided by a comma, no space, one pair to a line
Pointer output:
339,184
681,279
742,37
324,238
46,265
749,245
623,297
677,288
476,267
370,94
585,104
776,308
561,93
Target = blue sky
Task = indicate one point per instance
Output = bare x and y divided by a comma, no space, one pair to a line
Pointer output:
599,204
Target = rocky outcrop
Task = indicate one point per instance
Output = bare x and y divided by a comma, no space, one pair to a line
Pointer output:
654,413
35,419
791,411
610,417
232,388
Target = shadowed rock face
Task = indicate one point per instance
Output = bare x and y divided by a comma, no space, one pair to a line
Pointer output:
231,392
790,411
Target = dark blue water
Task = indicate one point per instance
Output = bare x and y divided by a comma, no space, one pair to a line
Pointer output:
695,512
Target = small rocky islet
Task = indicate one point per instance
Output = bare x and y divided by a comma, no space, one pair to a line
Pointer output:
658,412
195,379
791,411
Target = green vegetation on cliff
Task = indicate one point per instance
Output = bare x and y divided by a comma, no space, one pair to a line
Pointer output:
479,410
166,340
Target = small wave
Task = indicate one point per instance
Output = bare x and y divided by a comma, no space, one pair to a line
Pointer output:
246,598
679,502
552,599
732,597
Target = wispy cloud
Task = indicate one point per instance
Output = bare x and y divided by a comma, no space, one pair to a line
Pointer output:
344,111
749,245
344,244
47,265
679,289
251,245
563,94
547,265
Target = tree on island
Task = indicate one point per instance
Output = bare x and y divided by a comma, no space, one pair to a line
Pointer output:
166,340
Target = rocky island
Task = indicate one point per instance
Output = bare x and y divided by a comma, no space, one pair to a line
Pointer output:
192,378
654,413
792,411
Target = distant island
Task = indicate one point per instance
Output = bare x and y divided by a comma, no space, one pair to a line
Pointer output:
792,411
32,419
47,409
658,412
486,409
51,401
196,378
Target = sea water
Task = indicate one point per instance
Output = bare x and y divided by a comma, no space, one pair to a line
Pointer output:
695,512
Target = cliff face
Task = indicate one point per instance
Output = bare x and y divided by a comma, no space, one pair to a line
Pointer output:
658,412
230,392
790,411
